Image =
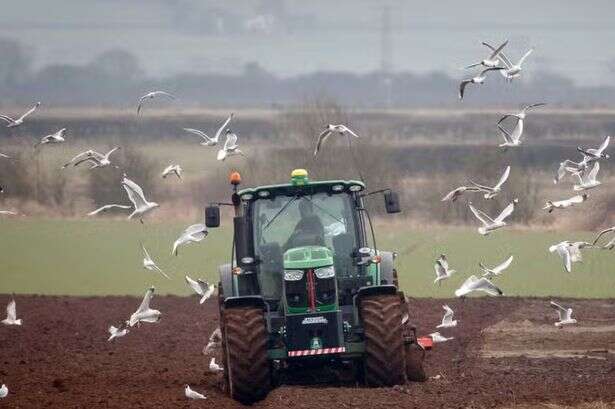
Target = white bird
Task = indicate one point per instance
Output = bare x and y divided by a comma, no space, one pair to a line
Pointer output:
149,264
474,283
447,320
107,207
490,224
215,341
97,160
152,95
8,212
174,169
230,147
331,129
4,391
570,252
145,313
214,367
492,60
568,166
598,153
192,234
190,394
479,79
436,337
11,123
497,270
587,178
611,244
117,332
57,137
201,287
565,315
11,314
514,138
5,156
207,141
456,193
491,192
442,269
512,71
563,204
140,205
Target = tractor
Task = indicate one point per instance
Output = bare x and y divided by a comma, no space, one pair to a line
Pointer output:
307,288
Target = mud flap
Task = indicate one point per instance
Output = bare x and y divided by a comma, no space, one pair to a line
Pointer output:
415,354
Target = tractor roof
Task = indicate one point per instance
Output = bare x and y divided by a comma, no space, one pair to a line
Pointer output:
306,188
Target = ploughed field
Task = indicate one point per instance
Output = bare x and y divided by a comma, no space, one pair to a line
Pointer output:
506,352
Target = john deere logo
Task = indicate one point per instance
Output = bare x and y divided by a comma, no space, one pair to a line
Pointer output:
314,320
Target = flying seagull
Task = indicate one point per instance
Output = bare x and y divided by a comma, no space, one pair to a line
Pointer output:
11,314
152,95
587,178
215,341
492,60
491,192
497,270
4,391
115,332
190,394
571,167
149,264
11,123
565,315
331,129
442,269
172,169
512,71
514,138
479,79
91,157
437,338
145,313
563,204
456,193
7,212
214,367
230,147
57,137
611,244
202,288
192,234
474,283
140,205
5,156
207,141
447,320
490,224
598,153
570,252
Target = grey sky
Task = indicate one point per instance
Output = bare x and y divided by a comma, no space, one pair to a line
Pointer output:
288,37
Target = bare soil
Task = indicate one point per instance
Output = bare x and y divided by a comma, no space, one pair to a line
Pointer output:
506,352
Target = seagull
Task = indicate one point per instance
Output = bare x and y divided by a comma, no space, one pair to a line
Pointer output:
152,95
201,287
611,244
456,193
145,313
565,315
5,156
215,341
492,60
571,167
7,212
570,252
149,264
117,332
491,192
214,367
57,137
474,283
479,79
563,204
330,129
598,153
490,224
190,394
587,179
497,270
11,123
4,391
207,141
442,270
11,314
97,160
514,137
194,233
447,320
175,169
230,147
512,71
139,203
437,338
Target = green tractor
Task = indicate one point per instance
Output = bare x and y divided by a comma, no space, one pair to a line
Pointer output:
307,288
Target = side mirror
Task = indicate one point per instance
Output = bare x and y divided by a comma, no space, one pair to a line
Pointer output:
391,202
212,216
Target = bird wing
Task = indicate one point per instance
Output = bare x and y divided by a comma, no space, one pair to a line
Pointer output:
163,93
8,119
440,272
11,311
497,50
462,87
231,141
486,70
591,176
498,269
223,127
480,215
448,315
443,262
505,134
199,133
135,193
602,233
194,285
504,178
348,130
525,56
604,144
107,207
149,294
485,285
575,199
501,55
85,154
145,252
110,152
481,188
531,106
28,112
564,251
560,310
208,290
506,212
322,137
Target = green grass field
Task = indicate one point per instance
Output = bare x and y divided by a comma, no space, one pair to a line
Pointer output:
103,257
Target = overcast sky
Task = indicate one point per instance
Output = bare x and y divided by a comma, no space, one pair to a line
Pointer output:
288,37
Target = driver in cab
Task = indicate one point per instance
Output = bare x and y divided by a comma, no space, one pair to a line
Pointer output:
309,231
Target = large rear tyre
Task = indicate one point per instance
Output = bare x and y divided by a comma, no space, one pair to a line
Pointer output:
384,360
245,338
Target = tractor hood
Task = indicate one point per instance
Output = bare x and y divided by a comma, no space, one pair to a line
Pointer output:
301,258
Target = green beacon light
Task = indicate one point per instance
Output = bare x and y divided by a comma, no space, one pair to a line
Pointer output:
299,177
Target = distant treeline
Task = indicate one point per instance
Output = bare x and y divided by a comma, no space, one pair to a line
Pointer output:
116,78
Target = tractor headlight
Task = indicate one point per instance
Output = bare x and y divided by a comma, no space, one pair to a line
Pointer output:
293,275
325,272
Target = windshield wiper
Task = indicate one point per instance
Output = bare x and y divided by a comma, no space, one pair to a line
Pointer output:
325,211
291,200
